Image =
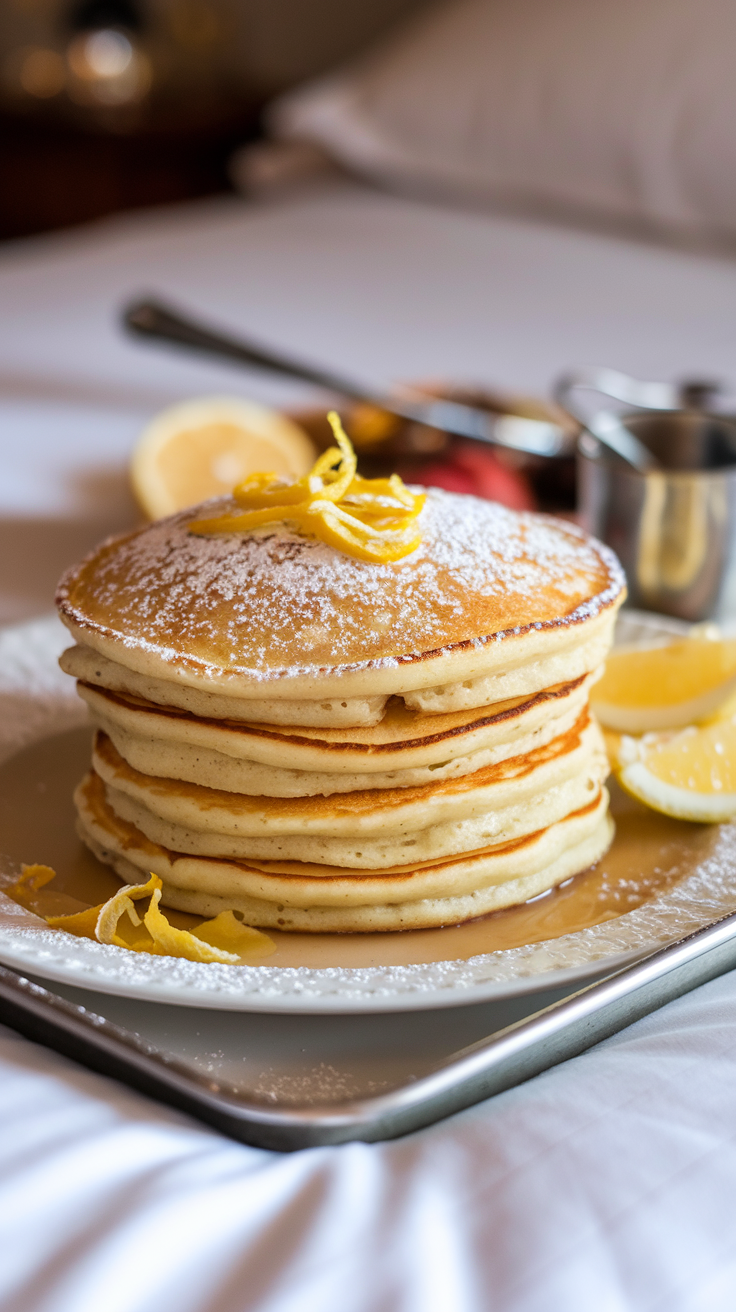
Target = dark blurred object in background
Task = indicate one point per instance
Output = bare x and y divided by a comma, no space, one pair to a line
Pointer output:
106,63
53,173
115,106
111,104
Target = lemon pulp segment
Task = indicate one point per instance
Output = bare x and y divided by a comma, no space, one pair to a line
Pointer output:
691,774
665,687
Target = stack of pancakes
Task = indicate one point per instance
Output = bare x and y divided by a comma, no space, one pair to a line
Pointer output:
324,744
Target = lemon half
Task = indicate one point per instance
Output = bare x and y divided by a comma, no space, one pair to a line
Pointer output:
202,448
665,687
691,774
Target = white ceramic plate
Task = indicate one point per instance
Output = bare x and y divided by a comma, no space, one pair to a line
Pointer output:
37,703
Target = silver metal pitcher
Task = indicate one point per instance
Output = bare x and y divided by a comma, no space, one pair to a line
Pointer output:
673,526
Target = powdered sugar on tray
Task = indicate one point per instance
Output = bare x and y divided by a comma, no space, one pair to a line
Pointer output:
283,603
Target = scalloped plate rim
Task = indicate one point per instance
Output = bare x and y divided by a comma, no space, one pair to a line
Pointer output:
337,990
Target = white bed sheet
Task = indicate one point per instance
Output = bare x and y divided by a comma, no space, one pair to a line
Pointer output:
603,1186
607,1184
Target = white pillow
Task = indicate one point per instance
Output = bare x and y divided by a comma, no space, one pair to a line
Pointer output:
619,110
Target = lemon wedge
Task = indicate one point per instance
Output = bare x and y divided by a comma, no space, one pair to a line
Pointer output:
665,687
691,774
202,448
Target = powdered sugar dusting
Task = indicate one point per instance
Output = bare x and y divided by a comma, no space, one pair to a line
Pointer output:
274,603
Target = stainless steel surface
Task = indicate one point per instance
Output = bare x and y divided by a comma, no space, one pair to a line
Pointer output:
150,318
283,1119
619,439
692,393
315,1059
673,525
605,425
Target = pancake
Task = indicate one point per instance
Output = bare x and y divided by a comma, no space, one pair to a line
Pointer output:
271,895
248,778
404,747
93,668
446,839
528,677
363,830
490,594
329,744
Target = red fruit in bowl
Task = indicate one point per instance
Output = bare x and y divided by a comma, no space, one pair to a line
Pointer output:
493,479
445,474
477,470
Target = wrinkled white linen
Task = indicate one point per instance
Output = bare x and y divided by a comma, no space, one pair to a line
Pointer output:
604,1186
615,112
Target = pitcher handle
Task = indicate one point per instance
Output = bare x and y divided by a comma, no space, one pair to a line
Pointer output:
620,387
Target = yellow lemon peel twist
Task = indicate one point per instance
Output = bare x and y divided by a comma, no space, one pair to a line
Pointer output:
117,922
371,519
31,880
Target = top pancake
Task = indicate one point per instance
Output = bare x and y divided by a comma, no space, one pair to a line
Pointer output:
487,588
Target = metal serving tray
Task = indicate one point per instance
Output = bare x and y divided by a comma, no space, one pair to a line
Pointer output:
288,1082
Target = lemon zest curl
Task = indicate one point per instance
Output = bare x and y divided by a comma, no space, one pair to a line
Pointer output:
371,519
118,923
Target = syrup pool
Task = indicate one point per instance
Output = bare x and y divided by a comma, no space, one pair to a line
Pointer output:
650,854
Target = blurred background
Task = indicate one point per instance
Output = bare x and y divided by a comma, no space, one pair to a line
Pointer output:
471,197
108,105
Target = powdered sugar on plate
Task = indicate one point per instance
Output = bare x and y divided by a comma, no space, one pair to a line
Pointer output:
28,944
708,894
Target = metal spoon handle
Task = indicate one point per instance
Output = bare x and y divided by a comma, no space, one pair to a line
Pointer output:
152,319
149,318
